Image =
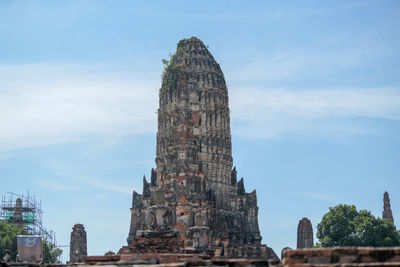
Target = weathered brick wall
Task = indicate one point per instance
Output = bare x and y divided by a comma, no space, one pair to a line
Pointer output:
342,256
194,158
153,245
173,260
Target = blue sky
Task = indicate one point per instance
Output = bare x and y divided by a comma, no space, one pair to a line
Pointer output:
314,95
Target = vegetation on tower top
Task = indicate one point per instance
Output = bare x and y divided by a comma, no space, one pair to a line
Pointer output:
177,62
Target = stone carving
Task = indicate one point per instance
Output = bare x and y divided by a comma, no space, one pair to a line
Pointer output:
387,211
199,234
194,161
305,238
159,217
78,244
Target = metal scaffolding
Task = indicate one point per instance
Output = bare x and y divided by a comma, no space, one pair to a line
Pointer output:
24,211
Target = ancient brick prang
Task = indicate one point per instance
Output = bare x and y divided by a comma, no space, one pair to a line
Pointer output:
387,211
194,160
78,244
305,238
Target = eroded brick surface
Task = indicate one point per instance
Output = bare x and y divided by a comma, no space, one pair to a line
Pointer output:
194,160
342,256
387,211
78,244
305,237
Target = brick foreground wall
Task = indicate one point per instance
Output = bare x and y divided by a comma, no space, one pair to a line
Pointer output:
329,257
342,256
154,262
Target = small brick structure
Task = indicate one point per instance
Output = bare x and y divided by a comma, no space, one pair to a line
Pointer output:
78,244
342,256
305,238
387,211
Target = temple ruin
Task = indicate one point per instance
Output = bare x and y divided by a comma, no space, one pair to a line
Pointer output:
387,211
194,202
305,237
78,244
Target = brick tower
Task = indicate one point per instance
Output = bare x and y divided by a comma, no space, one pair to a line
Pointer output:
78,244
305,238
387,211
194,175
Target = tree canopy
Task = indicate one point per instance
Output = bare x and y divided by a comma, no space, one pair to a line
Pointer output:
343,225
8,240
51,252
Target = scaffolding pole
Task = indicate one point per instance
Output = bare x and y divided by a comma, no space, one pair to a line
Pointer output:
24,211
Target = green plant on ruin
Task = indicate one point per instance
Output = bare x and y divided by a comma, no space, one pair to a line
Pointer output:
171,84
165,62
173,67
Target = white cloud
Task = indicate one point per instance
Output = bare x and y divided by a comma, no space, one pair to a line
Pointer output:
317,196
101,184
43,104
289,12
328,113
77,182
51,184
294,64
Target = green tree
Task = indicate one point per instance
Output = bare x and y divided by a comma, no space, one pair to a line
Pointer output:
343,225
8,239
50,252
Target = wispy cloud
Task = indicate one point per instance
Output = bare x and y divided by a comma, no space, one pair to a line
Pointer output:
317,196
56,185
300,63
101,184
289,12
43,104
379,103
325,113
86,179
79,182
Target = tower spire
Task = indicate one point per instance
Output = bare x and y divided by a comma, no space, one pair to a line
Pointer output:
387,211
193,174
305,238
194,139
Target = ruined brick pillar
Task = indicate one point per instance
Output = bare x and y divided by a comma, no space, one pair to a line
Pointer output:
305,238
78,244
387,211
